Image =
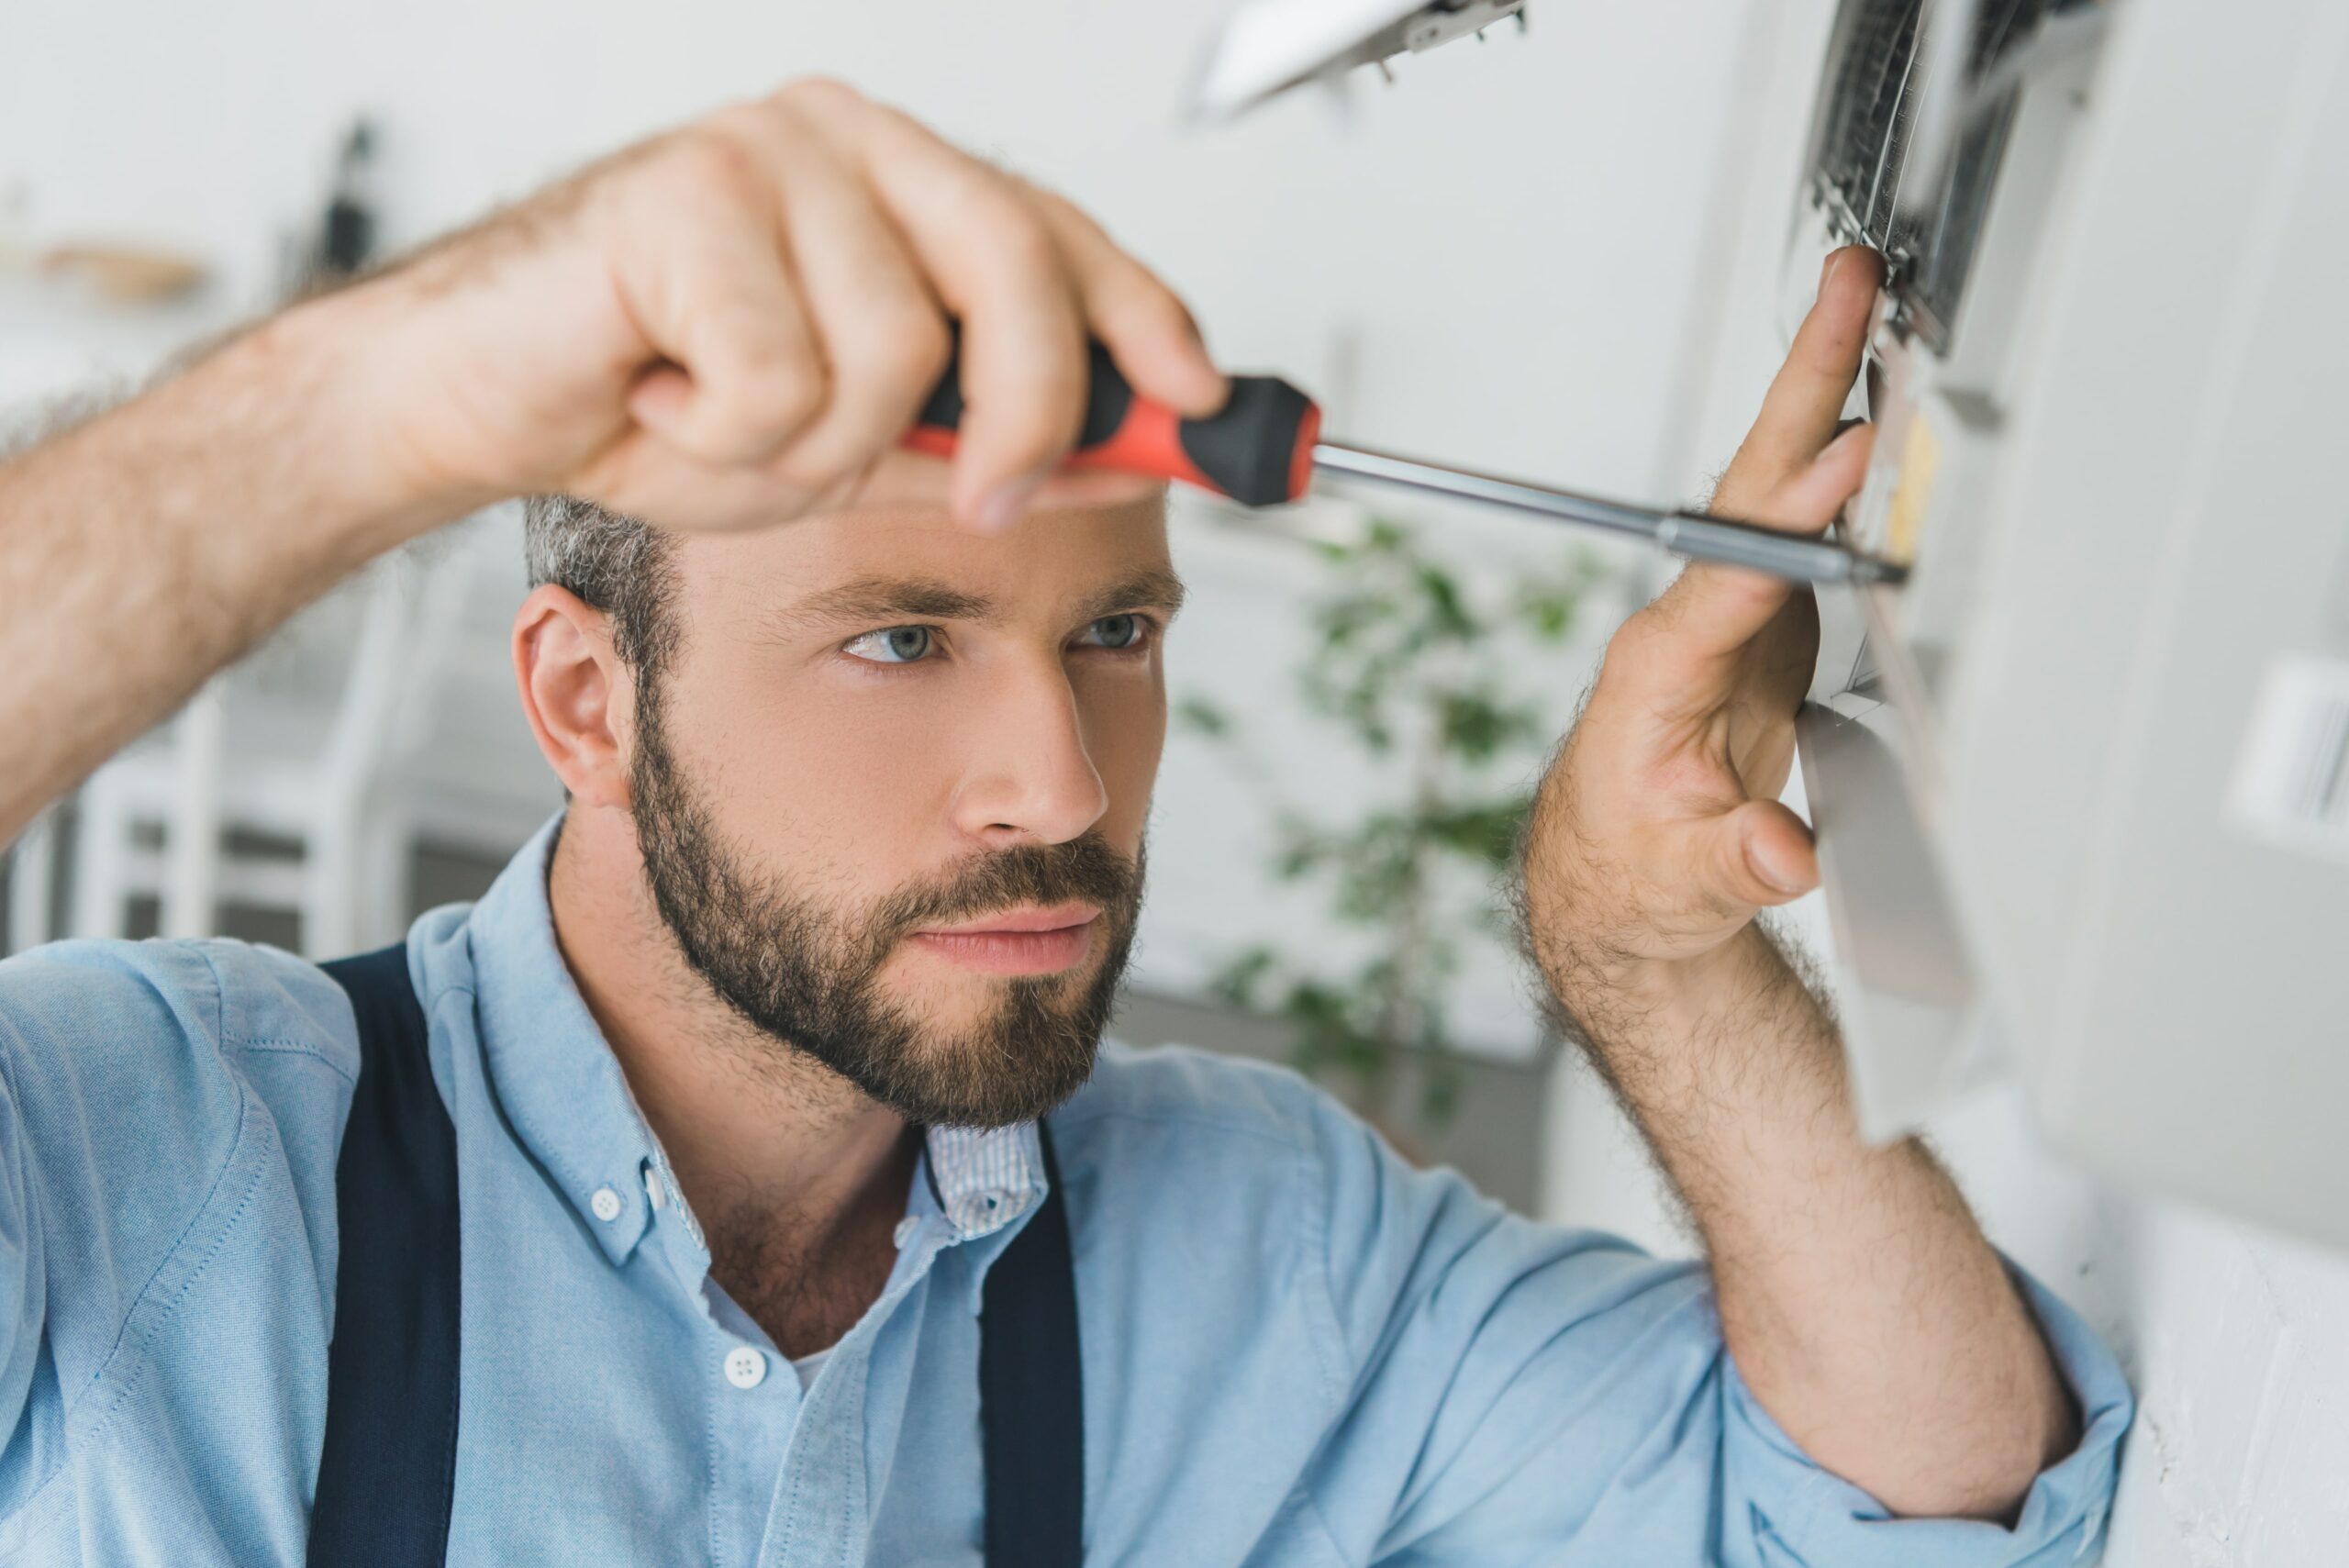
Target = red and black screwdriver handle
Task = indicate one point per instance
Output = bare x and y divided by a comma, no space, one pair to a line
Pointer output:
1258,451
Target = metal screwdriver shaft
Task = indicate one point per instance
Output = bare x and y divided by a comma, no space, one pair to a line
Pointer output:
1691,535
1262,447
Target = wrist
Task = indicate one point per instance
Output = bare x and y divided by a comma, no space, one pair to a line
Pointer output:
1628,1001
1601,961
324,365
1679,1036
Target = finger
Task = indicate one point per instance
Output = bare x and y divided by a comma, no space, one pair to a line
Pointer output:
1805,400
1712,612
643,476
701,269
882,331
1757,857
1812,498
1148,331
998,268
900,479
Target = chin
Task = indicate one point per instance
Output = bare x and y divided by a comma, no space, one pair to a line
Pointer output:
945,999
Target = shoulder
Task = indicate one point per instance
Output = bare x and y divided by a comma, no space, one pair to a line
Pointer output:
114,1007
151,1089
1201,1202
1191,1139
1187,1138
134,1064
1218,1097
1221,1150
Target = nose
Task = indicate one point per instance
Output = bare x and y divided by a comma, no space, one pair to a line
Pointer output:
1031,779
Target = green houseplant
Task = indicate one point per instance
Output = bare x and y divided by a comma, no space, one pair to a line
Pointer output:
1419,669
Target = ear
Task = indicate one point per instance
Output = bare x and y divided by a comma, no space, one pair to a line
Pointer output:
578,696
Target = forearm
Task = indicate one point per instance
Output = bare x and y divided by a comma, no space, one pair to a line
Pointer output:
1862,1305
144,550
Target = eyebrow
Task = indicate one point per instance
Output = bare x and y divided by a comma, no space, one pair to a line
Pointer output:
869,601
1154,587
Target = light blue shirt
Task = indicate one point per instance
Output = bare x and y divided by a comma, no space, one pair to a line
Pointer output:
1297,1350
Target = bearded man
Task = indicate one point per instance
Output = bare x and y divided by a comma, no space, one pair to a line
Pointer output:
742,1180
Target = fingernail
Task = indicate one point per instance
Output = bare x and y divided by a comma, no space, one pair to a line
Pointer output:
1003,506
1835,260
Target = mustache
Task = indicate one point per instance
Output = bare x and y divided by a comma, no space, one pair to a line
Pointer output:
1083,870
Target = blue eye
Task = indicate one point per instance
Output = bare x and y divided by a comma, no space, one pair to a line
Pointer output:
1116,631
892,645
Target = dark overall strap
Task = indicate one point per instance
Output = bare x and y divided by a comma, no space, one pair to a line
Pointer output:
389,1467
1031,1407
390,1462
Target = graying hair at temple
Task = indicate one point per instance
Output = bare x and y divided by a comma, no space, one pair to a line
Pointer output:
617,563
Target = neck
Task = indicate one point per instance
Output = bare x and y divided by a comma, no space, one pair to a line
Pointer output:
794,1173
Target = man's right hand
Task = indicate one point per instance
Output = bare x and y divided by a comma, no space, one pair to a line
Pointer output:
731,323
726,326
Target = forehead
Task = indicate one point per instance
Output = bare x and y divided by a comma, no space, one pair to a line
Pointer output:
1056,562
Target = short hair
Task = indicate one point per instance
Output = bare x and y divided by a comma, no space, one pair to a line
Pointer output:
618,565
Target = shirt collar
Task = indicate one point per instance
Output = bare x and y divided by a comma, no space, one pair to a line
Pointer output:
557,1081
562,1090
983,1178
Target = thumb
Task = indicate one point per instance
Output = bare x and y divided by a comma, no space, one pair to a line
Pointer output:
1756,857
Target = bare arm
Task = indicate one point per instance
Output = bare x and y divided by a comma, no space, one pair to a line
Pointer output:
144,550
726,327
1862,1305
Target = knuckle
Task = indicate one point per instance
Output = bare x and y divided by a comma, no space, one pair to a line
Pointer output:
790,390
1118,282
1018,236
765,385
1631,641
912,349
884,363
890,120
716,164
1165,313
1026,437
1060,217
1007,222
810,473
817,93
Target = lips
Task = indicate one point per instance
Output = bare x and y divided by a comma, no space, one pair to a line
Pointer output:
1028,941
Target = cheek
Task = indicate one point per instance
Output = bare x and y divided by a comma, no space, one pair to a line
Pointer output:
1125,729
837,786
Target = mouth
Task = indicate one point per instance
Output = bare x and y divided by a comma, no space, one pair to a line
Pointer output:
1027,939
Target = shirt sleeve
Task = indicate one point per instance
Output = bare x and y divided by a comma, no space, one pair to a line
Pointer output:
23,1274
1524,1393
130,1076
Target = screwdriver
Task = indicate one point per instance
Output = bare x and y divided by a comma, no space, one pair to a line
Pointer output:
1263,447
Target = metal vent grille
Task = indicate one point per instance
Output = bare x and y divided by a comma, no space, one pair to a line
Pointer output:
1868,108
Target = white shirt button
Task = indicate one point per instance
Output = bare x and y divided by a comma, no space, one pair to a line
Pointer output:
906,1228
745,1368
605,1202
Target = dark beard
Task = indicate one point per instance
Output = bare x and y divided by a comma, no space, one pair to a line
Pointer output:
809,977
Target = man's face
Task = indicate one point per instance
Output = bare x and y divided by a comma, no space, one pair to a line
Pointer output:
891,790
